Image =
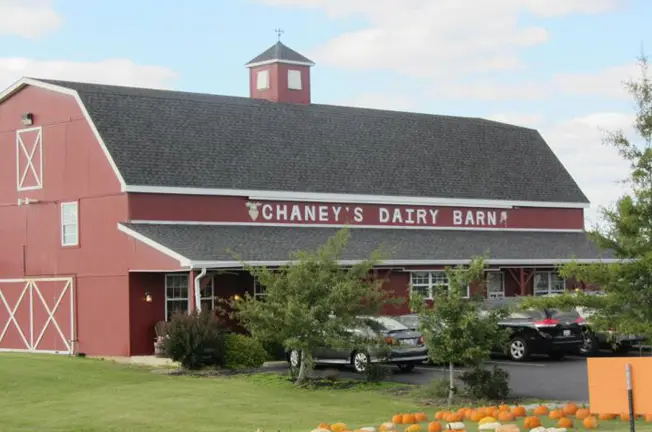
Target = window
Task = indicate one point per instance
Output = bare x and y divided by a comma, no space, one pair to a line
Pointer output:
548,282
495,285
69,224
176,293
424,282
294,79
207,293
259,291
262,79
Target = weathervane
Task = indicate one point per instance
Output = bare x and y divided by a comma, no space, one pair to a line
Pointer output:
279,32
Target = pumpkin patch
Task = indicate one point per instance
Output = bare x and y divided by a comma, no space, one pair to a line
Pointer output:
503,418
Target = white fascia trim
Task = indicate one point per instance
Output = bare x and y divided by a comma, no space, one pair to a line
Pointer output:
17,86
350,198
548,262
183,261
401,227
272,61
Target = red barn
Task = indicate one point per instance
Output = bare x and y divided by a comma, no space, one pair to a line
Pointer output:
119,205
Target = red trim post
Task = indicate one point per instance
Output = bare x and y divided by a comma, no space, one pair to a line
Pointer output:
191,292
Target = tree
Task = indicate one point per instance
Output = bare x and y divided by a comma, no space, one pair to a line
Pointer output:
626,230
314,301
455,330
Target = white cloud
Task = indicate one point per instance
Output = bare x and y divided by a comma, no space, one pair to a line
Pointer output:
110,71
28,18
607,82
442,38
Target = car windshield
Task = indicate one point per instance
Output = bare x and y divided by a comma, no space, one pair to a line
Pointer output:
412,321
387,323
564,315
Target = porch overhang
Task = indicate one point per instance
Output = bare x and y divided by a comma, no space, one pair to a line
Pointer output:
216,246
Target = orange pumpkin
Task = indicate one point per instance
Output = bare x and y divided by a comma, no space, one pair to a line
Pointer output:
590,422
541,410
434,426
582,413
505,416
531,422
556,414
420,417
483,411
565,422
324,426
397,419
439,415
519,411
409,419
648,418
503,407
477,415
624,416
468,413
607,416
570,409
453,418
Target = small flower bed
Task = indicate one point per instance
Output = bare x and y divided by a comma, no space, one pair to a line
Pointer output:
502,418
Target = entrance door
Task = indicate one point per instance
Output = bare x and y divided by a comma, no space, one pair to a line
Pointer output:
37,315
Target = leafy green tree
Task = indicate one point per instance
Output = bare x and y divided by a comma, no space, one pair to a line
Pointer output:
627,230
455,328
313,301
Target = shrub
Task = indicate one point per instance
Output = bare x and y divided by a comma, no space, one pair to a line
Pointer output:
484,384
195,340
244,352
376,372
437,388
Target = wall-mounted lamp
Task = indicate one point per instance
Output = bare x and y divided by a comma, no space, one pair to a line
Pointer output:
236,297
148,297
28,119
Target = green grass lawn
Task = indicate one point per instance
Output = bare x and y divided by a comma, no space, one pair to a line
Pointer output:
50,393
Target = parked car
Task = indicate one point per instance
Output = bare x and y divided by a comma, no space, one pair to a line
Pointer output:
595,340
406,348
542,331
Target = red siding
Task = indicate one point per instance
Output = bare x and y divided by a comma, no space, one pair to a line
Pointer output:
74,169
143,316
234,209
278,84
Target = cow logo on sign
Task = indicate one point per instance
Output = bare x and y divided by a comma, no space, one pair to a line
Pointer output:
503,217
254,209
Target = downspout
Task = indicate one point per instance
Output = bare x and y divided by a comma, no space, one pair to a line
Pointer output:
198,290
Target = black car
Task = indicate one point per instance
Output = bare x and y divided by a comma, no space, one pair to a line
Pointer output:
550,332
406,348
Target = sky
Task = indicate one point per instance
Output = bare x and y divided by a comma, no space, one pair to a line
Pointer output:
554,65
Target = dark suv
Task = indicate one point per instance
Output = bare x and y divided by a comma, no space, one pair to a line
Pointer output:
550,332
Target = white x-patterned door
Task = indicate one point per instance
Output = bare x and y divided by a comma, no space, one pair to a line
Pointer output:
29,159
37,315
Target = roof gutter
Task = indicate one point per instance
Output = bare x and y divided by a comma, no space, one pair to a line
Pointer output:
201,274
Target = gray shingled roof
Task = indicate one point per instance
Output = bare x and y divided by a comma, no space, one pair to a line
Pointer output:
178,139
212,243
278,51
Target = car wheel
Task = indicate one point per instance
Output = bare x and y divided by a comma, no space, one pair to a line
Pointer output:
589,344
360,361
556,355
405,367
295,358
518,349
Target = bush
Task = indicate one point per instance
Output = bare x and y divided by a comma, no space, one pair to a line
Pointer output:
195,340
244,352
437,388
483,384
376,372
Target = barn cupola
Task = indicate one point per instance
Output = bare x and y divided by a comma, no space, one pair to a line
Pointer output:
280,74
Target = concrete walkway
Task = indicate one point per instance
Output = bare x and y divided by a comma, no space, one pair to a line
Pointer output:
166,362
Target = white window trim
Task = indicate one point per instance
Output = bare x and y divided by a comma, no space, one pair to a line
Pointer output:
257,293
259,74
63,223
175,299
29,151
549,274
211,278
297,81
432,284
502,282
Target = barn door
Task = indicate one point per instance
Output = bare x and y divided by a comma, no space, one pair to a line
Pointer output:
37,315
